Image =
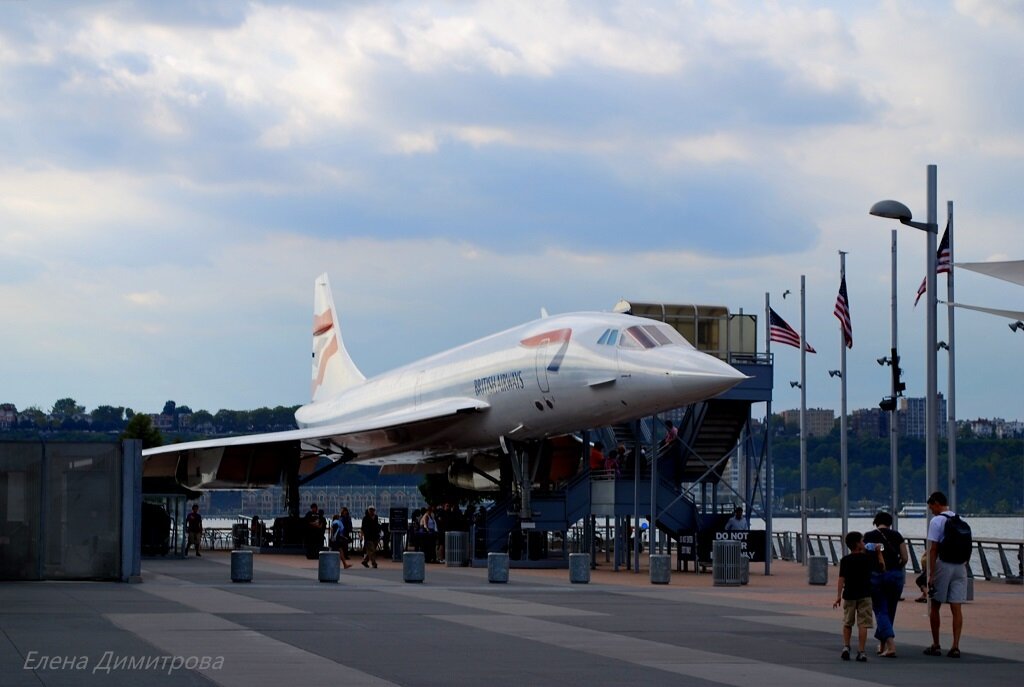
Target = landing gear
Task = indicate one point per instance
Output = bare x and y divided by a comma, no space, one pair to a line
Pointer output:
524,457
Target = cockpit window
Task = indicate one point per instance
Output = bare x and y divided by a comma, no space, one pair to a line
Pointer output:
657,334
608,337
636,337
651,336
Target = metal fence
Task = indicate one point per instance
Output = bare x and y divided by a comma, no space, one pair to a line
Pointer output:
994,559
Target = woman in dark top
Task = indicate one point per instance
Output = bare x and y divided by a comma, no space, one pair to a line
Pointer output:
887,586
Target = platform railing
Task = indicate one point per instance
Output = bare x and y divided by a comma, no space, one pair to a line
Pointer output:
993,559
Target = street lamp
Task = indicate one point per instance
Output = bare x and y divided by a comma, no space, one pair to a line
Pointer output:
795,385
893,209
941,345
835,373
1016,326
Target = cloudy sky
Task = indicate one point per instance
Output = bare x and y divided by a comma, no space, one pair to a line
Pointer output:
173,176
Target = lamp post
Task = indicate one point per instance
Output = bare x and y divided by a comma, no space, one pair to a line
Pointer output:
893,209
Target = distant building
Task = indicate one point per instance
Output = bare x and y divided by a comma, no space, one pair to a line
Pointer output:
913,417
1009,429
870,423
8,416
162,422
820,421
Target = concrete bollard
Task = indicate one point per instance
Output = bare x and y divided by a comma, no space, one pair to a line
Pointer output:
497,567
661,568
330,566
241,566
817,570
579,568
744,570
970,589
413,566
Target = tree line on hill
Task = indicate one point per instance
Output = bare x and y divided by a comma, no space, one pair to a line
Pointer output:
990,472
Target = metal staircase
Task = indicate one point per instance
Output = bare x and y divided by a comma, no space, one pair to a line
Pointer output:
708,433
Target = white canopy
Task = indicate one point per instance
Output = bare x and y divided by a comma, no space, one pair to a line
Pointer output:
1010,270
1012,314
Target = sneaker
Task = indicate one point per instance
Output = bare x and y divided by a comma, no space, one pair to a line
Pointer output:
198,554
365,564
862,657
374,565
846,653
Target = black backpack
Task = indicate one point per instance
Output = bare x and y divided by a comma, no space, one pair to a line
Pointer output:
956,543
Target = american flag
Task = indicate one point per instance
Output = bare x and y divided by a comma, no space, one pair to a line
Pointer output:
842,311
943,263
783,333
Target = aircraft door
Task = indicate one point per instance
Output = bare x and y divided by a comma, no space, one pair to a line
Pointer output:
541,365
418,389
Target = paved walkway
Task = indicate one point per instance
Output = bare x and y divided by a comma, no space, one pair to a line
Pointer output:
187,624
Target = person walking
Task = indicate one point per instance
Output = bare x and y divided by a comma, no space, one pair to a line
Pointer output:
341,535
313,532
947,580
854,592
371,537
194,528
887,585
737,523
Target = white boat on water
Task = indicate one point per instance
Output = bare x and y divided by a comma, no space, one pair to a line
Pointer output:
913,510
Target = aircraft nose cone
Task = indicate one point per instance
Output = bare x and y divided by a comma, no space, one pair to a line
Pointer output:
705,376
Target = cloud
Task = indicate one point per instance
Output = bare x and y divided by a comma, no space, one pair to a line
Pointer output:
183,171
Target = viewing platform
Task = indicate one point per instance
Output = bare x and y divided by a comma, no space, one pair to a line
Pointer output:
455,628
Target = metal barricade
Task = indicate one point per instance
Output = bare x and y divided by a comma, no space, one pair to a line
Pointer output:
727,564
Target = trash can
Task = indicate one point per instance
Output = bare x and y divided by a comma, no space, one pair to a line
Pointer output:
726,563
817,570
456,549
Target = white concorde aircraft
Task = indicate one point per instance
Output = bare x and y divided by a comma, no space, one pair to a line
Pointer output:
463,409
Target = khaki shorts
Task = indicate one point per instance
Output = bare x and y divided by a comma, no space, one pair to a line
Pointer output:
858,611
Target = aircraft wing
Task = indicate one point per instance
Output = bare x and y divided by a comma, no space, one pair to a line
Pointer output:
260,459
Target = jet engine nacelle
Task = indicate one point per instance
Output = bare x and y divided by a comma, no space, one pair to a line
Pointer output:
482,472
559,459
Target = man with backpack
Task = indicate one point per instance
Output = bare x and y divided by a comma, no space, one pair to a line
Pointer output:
949,549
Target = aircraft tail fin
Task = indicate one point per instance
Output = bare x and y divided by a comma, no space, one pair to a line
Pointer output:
333,369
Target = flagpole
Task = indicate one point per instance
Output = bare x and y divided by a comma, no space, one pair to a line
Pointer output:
803,421
769,482
931,344
843,465
894,436
951,424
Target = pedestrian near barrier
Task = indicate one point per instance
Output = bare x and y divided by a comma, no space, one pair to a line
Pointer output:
949,549
854,592
887,585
